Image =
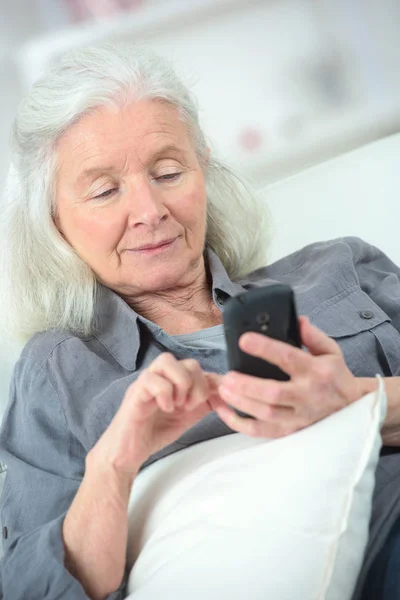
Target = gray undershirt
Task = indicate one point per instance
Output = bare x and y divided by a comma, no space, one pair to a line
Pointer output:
212,337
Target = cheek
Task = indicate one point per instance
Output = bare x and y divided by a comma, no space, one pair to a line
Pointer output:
92,230
192,208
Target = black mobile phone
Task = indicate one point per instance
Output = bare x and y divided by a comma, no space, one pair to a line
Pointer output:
270,310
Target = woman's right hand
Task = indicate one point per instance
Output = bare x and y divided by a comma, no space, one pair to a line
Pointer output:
168,397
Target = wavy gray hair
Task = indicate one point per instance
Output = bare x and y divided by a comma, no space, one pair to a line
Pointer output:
45,284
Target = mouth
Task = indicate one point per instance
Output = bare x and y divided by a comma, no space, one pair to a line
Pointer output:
153,248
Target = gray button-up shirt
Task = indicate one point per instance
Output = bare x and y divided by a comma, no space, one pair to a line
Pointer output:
66,389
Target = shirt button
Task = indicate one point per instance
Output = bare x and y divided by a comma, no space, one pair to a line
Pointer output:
366,314
5,533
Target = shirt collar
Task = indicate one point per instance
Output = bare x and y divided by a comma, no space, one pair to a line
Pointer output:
115,326
222,285
116,323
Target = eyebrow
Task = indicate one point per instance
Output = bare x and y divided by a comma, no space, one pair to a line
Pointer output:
151,159
164,150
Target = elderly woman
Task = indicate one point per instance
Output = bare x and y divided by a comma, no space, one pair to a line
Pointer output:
123,239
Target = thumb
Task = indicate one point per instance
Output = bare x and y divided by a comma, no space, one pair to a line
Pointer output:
315,340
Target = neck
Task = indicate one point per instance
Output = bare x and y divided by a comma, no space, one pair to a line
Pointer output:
181,309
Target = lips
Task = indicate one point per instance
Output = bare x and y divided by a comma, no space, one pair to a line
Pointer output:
153,245
156,245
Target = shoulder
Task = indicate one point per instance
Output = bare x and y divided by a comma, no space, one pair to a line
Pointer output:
340,254
43,345
322,274
340,251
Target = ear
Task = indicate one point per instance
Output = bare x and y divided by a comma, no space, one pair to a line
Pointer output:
56,221
57,224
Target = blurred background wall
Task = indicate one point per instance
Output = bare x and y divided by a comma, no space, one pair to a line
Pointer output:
281,84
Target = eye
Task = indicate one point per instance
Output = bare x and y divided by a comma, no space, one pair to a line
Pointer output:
168,177
106,193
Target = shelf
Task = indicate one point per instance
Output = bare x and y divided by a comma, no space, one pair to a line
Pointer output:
140,24
324,140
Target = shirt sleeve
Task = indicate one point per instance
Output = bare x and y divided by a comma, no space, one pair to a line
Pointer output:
379,277
45,466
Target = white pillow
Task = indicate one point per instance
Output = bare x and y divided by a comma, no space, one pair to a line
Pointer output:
237,517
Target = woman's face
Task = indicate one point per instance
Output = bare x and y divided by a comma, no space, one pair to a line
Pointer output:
128,179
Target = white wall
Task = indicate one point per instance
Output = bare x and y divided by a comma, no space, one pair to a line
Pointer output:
18,22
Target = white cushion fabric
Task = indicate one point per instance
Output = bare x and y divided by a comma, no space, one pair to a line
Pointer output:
238,517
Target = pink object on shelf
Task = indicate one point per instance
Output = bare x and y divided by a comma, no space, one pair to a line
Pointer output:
250,138
77,9
84,9
102,8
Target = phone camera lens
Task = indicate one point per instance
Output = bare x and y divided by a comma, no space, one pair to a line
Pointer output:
263,318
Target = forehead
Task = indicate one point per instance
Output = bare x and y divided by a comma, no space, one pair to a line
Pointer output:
135,130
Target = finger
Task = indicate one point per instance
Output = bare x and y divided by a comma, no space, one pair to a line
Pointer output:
152,386
289,359
269,391
175,371
316,341
214,380
199,391
260,410
275,428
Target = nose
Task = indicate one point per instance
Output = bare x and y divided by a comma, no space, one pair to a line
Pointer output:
145,206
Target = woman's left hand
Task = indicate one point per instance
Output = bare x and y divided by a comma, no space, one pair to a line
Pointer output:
320,384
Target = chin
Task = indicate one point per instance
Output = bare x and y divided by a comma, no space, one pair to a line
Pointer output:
160,282
154,280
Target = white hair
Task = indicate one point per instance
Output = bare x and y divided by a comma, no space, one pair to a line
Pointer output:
44,283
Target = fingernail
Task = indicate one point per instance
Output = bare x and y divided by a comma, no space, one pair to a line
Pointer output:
245,339
224,391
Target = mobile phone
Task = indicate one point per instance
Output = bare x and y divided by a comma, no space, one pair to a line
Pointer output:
270,310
